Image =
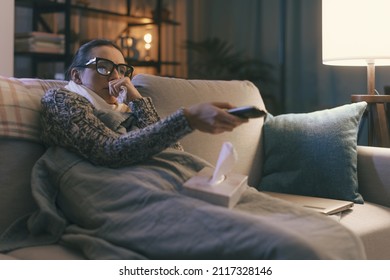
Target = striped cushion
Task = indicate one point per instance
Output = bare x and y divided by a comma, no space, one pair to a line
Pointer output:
20,105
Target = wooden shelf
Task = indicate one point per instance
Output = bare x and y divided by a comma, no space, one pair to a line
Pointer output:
370,98
54,7
41,7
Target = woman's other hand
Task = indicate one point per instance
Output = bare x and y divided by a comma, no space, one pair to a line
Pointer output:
212,117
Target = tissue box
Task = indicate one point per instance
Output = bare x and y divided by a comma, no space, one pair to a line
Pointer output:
227,193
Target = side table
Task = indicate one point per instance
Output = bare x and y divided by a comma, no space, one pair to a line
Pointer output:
378,123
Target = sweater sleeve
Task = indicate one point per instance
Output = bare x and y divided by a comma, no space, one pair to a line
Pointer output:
68,121
146,114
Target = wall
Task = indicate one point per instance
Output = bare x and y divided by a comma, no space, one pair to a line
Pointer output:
7,37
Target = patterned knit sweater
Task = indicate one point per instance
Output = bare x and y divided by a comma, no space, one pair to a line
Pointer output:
71,121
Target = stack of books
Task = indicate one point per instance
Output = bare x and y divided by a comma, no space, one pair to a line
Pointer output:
40,42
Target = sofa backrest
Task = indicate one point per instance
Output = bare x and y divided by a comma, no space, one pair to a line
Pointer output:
20,144
169,94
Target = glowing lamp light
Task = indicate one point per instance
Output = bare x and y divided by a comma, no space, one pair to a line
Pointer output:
356,33
148,45
148,38
129,42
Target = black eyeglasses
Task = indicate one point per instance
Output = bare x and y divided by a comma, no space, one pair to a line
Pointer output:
105,67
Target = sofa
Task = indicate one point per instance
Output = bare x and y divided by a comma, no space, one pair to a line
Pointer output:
20,148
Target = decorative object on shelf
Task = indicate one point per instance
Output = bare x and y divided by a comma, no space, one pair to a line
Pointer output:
129,45
359,37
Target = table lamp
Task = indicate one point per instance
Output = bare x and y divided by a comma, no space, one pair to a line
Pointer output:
357,33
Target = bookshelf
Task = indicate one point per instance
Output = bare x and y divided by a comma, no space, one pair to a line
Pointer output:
68,8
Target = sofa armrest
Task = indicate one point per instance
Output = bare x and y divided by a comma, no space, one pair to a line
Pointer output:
373,174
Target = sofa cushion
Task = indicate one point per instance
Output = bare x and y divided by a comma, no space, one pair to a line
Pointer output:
20,105
19,111
370,222
313,154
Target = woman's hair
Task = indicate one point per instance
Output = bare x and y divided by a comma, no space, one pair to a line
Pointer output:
83,53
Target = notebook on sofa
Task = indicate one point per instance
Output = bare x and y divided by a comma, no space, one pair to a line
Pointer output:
323,205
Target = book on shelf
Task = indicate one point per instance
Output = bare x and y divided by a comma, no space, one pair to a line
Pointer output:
40,42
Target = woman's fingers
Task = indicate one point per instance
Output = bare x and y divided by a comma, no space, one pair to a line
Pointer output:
124,84
212,117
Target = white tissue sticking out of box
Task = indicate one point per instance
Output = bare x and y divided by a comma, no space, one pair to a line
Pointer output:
226,161
122,96
218,185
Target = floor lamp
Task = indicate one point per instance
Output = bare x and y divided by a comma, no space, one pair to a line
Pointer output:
357,33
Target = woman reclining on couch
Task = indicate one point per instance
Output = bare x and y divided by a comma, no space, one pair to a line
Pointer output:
110,181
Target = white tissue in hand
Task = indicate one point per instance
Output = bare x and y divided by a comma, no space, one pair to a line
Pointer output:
225,164
122,95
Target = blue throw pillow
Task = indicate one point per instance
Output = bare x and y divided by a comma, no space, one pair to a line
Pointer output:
313,154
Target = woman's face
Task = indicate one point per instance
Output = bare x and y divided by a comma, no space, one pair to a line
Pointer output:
97,82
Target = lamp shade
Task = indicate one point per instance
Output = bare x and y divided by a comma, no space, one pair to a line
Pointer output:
356,32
